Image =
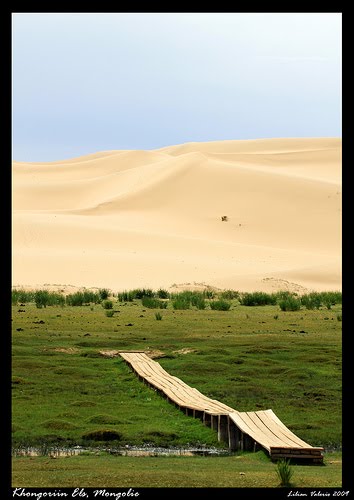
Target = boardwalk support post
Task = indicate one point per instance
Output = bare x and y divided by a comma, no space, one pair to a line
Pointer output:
214,422
207,419
232,432
223,431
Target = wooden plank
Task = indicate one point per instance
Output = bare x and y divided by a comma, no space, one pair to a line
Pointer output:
281,424
273,434
246,424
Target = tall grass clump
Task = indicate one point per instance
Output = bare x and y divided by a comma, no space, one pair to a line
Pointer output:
126,296
139,293
89,297
44,298
258,299
109,313
162,294
230,294
290,304
284,294
152,303
284,472
199,303
197,299
75,299
21,296
208,294
187,298
107,304
180,302
330,299
311,300
85,297
41,298
220,305
158,316
103,293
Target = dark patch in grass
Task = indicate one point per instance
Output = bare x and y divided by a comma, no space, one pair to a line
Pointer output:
102,435
90,355
300,427
318,396
85,403
19,380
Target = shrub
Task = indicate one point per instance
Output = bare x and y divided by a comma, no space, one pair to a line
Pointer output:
55,299
284,472
229,294
330,299
125,296
41,298
103,293
162,294
151,303
208,294
284,294
258,299
75,299
200,303
44,298
311,300
220,305
21,295
290,304
109,313
158,316
181,303
107,304
139,293
187,298
82,298
197,299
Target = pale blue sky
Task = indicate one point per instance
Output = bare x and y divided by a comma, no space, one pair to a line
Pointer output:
84,83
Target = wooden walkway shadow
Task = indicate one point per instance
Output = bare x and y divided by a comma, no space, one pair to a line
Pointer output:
241,430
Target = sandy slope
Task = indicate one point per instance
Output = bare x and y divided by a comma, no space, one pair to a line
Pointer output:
123,219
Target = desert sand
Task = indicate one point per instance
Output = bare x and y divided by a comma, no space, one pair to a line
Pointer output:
127,219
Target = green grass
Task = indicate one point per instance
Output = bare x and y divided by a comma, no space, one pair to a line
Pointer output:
63,388
245,470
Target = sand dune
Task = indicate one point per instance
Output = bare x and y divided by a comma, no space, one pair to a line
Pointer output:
124,219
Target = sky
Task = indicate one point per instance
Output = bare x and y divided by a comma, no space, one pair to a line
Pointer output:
83,83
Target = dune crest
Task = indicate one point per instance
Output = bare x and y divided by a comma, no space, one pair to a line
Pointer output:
124,219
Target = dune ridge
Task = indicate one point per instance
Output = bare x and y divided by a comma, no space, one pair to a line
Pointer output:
124,219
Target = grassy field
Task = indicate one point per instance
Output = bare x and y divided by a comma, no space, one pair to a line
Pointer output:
244,470
248,357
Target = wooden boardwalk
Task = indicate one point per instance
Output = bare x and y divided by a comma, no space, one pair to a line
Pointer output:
241,430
